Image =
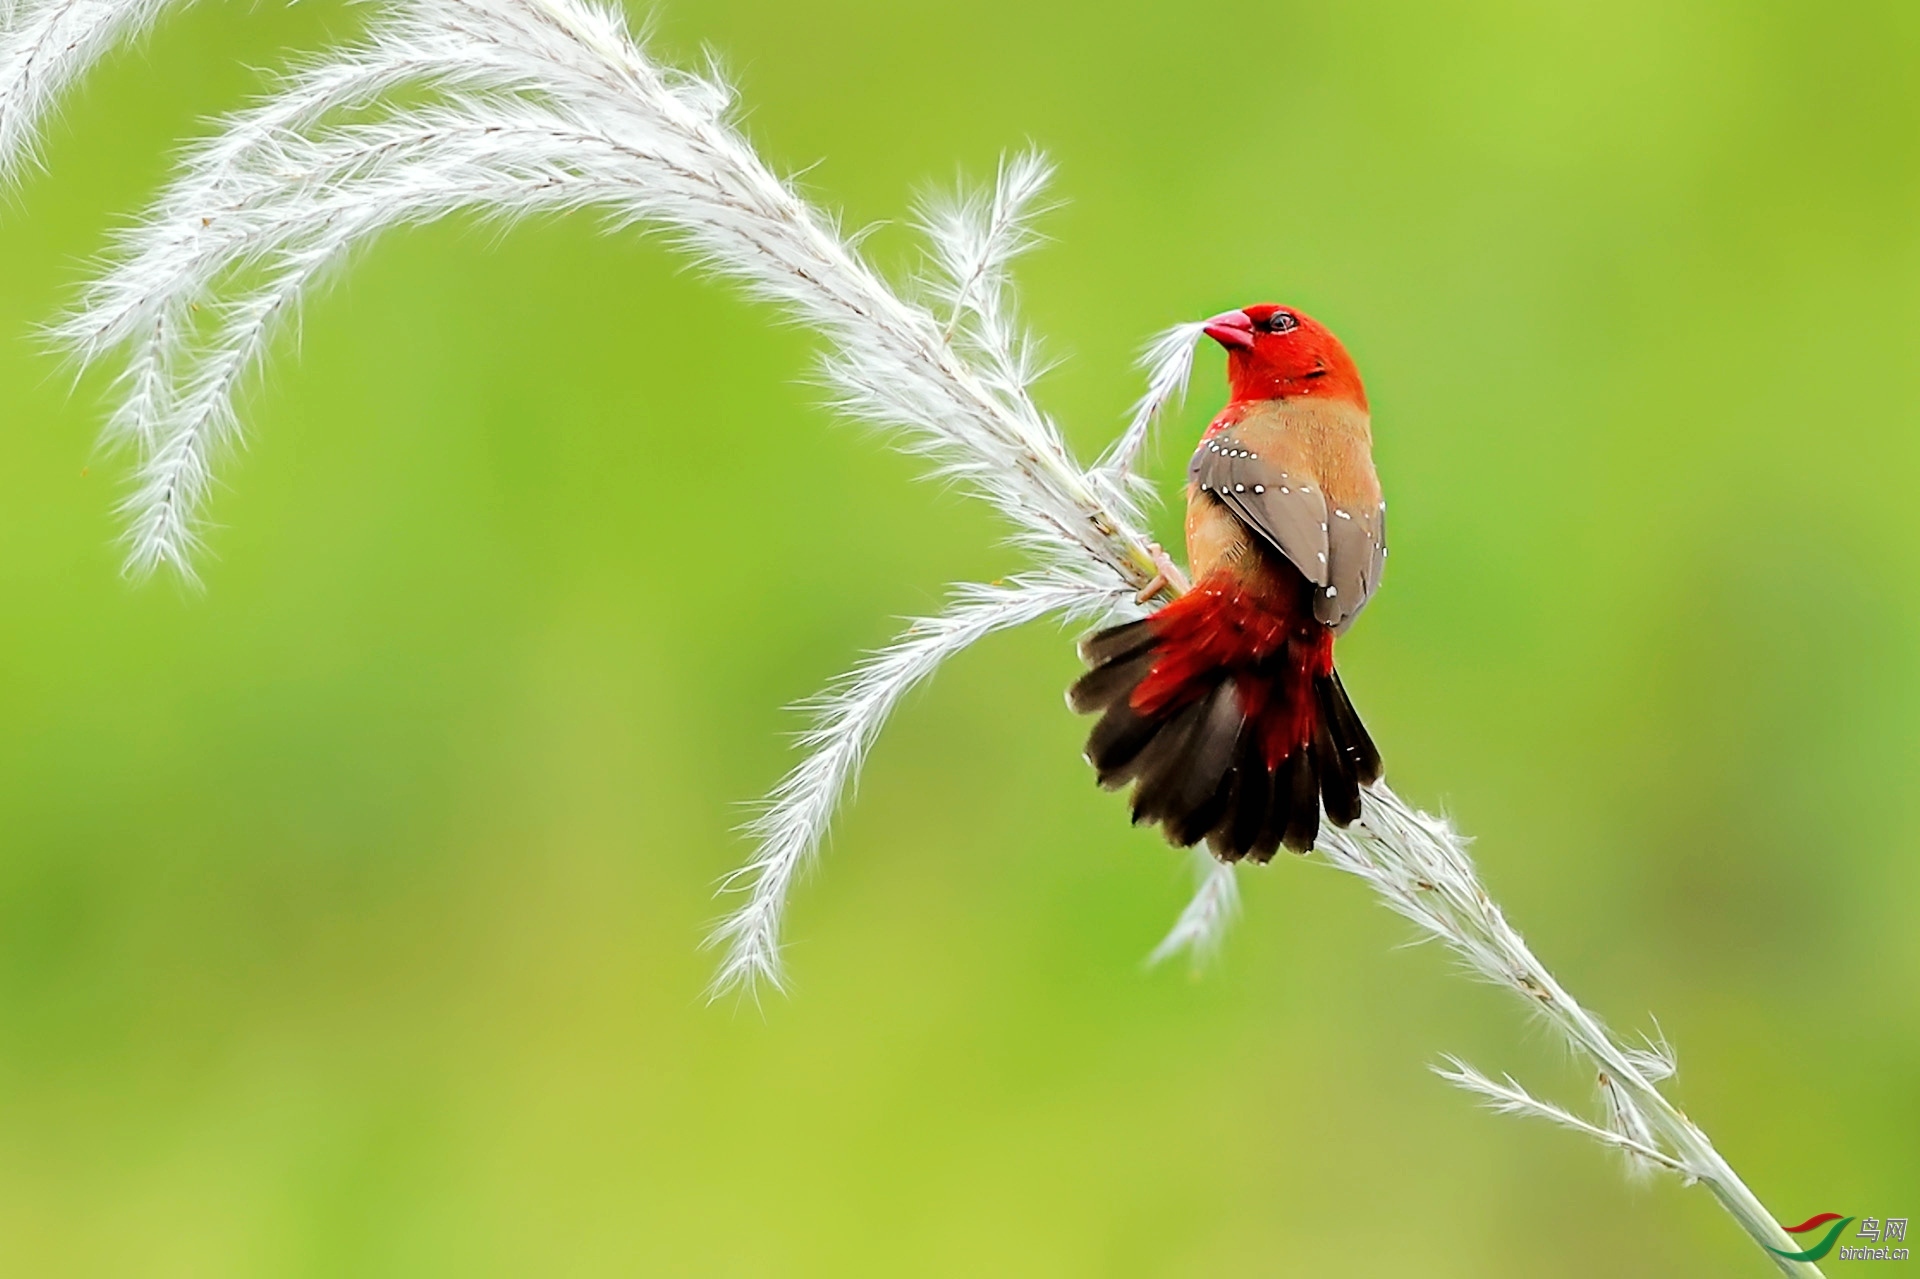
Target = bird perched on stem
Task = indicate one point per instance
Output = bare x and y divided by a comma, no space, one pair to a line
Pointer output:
1224,707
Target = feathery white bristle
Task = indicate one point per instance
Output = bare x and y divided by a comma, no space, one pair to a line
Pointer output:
1202,926
1626,1119
973,239
1168,362
1507,1097
847,719
47,45
1656,1060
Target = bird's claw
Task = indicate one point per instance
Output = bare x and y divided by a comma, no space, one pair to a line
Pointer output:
1166,574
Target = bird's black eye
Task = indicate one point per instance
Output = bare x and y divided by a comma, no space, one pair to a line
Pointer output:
1280,322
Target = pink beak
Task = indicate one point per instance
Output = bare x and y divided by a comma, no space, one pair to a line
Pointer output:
1231,329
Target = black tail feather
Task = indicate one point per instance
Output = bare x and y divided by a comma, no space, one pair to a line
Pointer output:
1349,734
1116,642
1158,766
1197,794
1200,764
1339,783
1297,791
1250,793
1100,687
1117,740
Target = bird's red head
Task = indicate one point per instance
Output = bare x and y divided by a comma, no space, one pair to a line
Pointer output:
1276,352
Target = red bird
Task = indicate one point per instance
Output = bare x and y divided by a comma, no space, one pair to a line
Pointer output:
1223,707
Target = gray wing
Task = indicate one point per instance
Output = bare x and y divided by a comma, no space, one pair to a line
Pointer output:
1266,491
1357,544
1341,550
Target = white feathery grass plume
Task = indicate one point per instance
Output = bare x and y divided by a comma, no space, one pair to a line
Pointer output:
1627,1120
534,106
1202,926
1655,1062
1656,1059
1419,866
847,719
974,237
47,45
1168,361
508,108
1509,1098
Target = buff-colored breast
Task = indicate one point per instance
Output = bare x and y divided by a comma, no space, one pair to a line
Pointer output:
1294,476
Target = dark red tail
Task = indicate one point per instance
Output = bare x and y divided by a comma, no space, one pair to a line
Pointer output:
1225,709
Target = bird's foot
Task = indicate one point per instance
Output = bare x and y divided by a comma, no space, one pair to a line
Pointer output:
1166,574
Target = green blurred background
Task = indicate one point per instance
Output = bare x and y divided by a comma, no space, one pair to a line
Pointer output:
350,912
